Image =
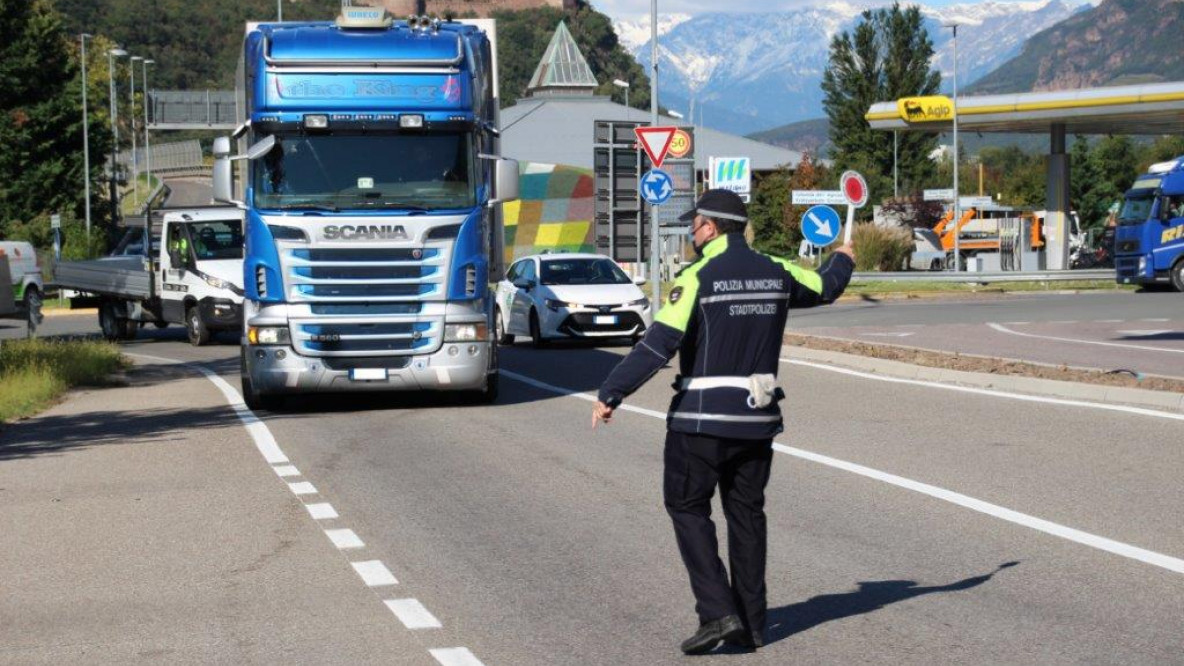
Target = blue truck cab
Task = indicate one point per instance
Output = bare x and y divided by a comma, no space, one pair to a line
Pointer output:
371,181
1149,240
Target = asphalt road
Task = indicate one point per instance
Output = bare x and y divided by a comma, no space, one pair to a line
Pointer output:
187,192
1141,332
535,540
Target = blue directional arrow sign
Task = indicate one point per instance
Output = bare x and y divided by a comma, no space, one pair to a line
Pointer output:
821,225
656,187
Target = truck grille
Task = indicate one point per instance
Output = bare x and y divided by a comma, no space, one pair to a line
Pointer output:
1127,266
1128,247
366,302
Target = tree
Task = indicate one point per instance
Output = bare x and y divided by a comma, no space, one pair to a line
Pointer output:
886,57
777,223
41,168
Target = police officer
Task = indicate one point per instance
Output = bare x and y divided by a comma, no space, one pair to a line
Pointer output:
725,318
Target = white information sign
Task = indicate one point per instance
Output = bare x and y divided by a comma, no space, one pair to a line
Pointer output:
940,195
819,198
975,202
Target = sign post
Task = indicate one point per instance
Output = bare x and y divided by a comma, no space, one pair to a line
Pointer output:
656,187
55,224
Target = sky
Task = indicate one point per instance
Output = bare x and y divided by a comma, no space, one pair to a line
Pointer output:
638,7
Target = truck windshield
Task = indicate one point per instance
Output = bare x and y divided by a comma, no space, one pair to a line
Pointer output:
217,239
367,171
1137,207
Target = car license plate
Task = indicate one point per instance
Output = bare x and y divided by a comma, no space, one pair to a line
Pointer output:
605,320
368,374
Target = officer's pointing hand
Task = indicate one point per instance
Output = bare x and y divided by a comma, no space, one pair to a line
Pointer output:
601,412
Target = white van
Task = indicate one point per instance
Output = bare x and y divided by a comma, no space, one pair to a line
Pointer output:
27,286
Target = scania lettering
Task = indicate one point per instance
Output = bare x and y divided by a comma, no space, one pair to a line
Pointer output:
368,168
1149,240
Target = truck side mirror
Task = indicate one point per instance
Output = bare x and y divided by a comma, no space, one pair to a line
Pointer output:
223,174
505,179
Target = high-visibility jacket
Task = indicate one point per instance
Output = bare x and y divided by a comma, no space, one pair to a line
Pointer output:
725,318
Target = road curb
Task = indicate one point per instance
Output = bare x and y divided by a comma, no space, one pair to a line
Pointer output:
1014,383
67,312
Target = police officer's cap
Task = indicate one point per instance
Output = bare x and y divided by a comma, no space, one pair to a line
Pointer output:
718,205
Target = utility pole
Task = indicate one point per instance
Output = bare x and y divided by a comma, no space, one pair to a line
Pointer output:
112,54
147,142
131,96
957,198
85,137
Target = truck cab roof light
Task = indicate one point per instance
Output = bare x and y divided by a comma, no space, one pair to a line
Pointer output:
411,121
1163,167
316,121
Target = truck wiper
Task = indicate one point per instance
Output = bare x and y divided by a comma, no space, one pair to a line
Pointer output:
308,206
391,205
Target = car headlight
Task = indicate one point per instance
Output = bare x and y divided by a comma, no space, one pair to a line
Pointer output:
556,306
216,283
643,302
466,333
268,335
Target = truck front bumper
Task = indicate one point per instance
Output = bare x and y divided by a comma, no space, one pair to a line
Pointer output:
454,367
221,314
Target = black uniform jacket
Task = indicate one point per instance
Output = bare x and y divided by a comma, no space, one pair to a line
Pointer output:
725,317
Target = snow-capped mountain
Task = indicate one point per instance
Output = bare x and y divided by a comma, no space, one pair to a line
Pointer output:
750,71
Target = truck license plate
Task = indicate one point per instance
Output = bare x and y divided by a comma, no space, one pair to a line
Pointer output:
605,320
368,374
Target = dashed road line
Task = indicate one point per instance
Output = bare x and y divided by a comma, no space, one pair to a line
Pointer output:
1048,527
1003,329
321,511
412,614
455,657
302,488
374,573
344,539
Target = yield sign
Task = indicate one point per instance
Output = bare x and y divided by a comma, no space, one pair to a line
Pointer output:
656,142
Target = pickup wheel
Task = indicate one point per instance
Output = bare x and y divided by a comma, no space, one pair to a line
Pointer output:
536,331
1178,275
114,327
499,329
196,328
32,303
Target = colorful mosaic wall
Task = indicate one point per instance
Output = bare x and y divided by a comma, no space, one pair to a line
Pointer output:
554,212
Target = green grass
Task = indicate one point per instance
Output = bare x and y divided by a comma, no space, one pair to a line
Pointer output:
33,373
128,204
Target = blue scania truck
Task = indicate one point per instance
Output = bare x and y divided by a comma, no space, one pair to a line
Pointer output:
1149,240
368,167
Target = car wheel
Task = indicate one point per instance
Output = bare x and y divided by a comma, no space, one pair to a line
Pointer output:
935,265
1178,276
499,329
195,327
536,331
32,304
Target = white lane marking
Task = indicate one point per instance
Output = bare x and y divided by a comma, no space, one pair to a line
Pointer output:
455,657
1140,411
1018,322
1004,329
321,511
412,614
1146,333
286,470
264,441
994,510
1157,321
302,488
344,539
1109,321
374,573
887,335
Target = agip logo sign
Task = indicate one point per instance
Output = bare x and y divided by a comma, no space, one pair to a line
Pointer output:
931,109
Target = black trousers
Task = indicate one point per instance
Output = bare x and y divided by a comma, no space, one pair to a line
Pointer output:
694,465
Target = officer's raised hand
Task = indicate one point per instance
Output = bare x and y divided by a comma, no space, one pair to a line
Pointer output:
846,249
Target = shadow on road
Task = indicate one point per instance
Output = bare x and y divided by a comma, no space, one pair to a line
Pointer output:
870,596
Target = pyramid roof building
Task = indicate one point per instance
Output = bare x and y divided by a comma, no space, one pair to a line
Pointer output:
563,69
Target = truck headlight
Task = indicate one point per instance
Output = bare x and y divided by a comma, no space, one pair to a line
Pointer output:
466,332
1142,265
556,306
268,335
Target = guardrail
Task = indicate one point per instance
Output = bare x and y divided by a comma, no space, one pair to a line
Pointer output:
986,278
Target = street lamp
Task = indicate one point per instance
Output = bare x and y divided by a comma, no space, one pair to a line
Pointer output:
85,136
957,201
675,114
112,54
131,95
623,84
279,10
147,143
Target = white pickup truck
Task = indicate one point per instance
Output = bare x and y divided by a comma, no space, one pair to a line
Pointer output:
194,277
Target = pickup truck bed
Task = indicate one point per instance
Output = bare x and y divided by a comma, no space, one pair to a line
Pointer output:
125,277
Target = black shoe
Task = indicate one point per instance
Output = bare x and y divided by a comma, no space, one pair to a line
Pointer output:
711,633
746,641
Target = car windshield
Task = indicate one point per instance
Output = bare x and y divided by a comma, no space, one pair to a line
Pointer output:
217,239
1137,207
583,271
420,171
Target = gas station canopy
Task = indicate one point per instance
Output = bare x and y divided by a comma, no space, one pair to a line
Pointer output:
1142,109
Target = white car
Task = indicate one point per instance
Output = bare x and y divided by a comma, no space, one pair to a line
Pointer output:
570,295
928,254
